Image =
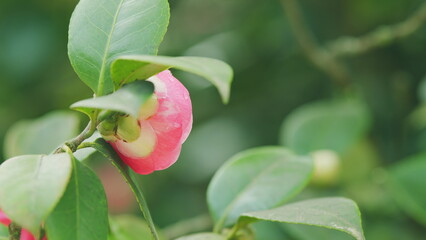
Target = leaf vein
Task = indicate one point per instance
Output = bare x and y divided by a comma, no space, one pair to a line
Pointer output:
107,47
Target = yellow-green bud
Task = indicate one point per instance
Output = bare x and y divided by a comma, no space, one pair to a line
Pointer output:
326,167
107,130
128,129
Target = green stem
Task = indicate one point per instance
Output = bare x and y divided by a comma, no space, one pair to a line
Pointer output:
105,149
219,225
87,132
14,231
74,143
233,232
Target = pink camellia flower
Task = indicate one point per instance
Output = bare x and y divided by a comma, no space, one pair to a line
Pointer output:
165,121
25,234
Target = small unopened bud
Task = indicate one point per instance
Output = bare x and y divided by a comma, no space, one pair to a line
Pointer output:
107,129
128,129
326,167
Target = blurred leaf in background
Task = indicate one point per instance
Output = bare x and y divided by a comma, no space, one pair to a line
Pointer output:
408,186
273,78
41,136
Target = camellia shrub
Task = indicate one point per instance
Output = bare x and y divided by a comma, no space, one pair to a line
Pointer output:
138,119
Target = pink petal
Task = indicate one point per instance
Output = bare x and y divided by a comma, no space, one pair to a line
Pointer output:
167,125
139,165
25,235
174,91
158,160
163,160
4,219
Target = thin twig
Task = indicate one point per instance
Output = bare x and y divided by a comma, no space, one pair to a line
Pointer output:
75,142
321,57
233,232
385,35
326,58
196,224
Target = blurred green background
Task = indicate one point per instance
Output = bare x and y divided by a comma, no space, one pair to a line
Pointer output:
272,78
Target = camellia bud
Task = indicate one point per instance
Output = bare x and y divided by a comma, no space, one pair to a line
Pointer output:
128,128
164,123
107,129
326,167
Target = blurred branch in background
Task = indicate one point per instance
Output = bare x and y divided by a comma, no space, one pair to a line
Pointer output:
196,224
319,56
349,46
326,58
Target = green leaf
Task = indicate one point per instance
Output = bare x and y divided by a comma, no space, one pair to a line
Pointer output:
128,100
108,152
101,30
333,125
407,184
31,186
42,135
4,232
306,232
82,212
128,227
129,68
203,236
256,179
334,213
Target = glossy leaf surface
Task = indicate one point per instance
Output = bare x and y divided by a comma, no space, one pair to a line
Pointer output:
35,183
306,232
108,152
129,68
257,179
82,212
127,100
102,30
334,213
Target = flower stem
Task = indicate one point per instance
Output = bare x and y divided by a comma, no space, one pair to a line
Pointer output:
233,232
74,143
